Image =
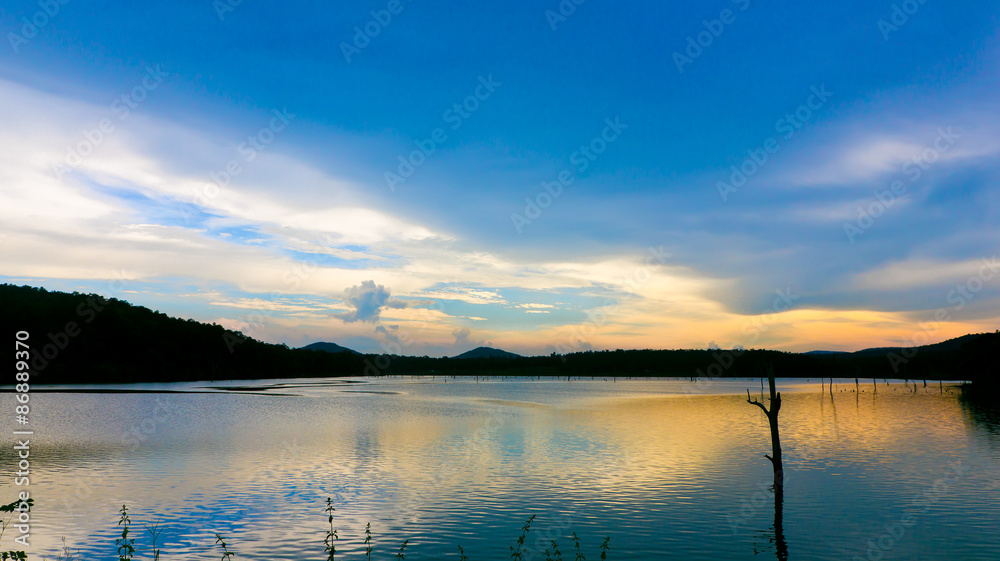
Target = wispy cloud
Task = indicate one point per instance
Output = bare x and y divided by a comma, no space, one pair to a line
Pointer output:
464,339
213,206
856,156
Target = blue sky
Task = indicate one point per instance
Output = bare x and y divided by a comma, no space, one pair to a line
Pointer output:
536,176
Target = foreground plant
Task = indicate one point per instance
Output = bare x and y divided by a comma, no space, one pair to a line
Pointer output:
331,535
226,554
368,541
604,548
126,549
579,554
555,551
155,531
13,507
515,554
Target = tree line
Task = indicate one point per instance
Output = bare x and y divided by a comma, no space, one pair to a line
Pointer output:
85,338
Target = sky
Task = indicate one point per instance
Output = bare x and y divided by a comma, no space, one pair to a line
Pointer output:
422,177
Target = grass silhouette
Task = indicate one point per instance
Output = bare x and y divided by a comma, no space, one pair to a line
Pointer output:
127,551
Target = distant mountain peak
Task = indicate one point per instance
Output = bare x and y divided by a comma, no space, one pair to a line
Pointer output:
328,347
487,352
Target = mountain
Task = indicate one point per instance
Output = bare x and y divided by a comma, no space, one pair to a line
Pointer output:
487,352
824,353
328,347
949,345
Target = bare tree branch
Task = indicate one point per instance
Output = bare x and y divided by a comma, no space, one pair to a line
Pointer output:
757,403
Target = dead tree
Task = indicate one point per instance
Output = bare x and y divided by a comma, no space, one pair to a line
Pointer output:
772,419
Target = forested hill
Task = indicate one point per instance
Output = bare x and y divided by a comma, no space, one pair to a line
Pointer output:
76,338
83,338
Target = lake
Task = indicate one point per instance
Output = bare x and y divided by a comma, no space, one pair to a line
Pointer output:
666,468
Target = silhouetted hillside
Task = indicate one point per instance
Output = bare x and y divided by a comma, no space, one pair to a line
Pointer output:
328,347
76,338
83,338
487,352
949,345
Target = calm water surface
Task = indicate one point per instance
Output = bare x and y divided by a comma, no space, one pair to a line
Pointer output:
667,469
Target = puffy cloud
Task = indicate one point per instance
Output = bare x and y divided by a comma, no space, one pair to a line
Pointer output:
367,299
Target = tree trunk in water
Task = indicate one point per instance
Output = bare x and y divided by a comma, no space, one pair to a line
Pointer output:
772,419
780,546
771,410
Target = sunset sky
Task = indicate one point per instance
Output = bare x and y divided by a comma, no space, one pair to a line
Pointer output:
426,177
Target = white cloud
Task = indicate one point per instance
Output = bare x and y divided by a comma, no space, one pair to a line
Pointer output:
922,273
464,339
367,299
857,155
468,295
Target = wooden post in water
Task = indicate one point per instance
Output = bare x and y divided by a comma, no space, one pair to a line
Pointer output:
772,419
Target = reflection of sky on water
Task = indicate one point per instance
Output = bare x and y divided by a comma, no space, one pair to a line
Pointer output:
467,463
